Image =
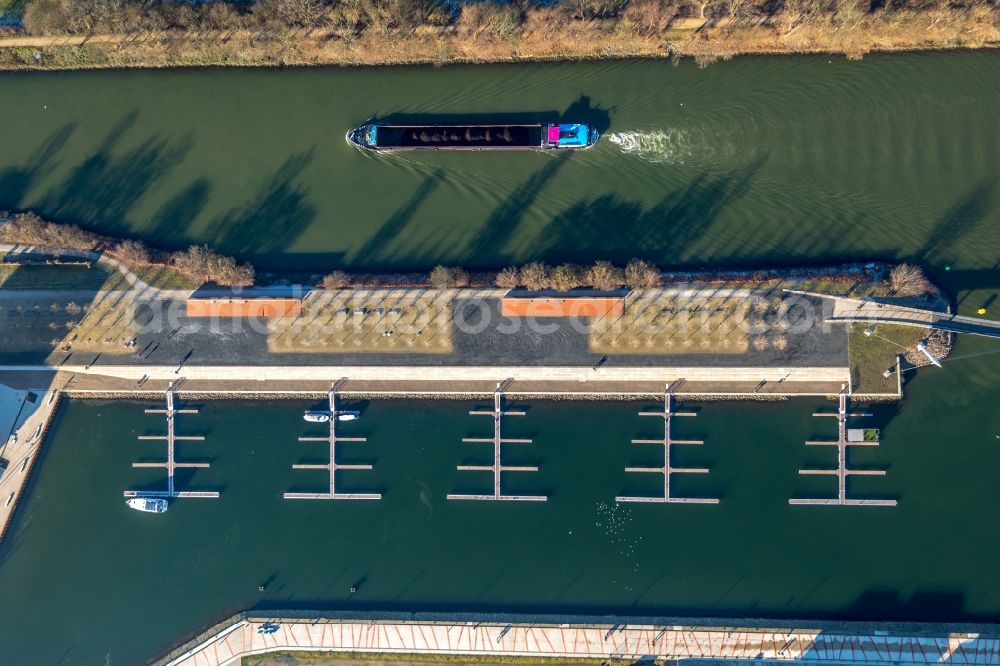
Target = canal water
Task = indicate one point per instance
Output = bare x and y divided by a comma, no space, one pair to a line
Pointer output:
756,161
85,580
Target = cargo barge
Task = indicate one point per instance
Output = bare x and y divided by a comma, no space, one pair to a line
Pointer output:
540,136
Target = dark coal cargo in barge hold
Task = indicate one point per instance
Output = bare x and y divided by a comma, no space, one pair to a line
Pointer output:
391,137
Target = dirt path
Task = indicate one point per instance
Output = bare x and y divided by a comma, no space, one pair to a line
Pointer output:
60,40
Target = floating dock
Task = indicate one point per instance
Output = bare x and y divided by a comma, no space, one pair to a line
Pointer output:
843,471
498,440
668,470
332,466
171,464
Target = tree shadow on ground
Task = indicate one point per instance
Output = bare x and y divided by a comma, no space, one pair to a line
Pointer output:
275,218
16,181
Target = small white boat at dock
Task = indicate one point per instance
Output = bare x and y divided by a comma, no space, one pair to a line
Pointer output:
324,417
147,504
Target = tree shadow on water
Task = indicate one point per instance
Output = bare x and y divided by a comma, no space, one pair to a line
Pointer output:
610,227
16,181
965,216
926,606
374,249
176,216
504,222
102,190
580,111
583,111
275,217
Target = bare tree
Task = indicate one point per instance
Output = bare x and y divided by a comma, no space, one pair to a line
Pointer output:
205,265
605,276
337,280
565,277
507,278
641,274
448,277
909,280
535,276
132,253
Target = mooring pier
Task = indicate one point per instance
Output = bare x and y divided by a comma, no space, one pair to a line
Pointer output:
171,464
332,466
498,440
843,442
668,470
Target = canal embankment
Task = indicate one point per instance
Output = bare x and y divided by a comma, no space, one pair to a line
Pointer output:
25,415
482,33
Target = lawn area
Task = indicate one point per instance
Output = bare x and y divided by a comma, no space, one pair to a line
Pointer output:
870,356
51,276
164,278
81,278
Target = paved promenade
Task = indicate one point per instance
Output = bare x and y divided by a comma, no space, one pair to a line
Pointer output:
447,379
590,641
23,436
97,385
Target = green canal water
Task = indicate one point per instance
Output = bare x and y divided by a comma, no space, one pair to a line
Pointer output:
755,161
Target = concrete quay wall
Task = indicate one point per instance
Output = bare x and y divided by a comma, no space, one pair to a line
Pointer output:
845,643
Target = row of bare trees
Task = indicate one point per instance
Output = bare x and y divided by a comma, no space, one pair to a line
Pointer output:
496,18
602,275
202,264
29,229
199,263
263,16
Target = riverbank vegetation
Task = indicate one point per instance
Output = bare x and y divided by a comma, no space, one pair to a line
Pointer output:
97,33
197,264
200,264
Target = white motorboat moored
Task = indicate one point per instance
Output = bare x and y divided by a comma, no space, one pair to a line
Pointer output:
147,504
